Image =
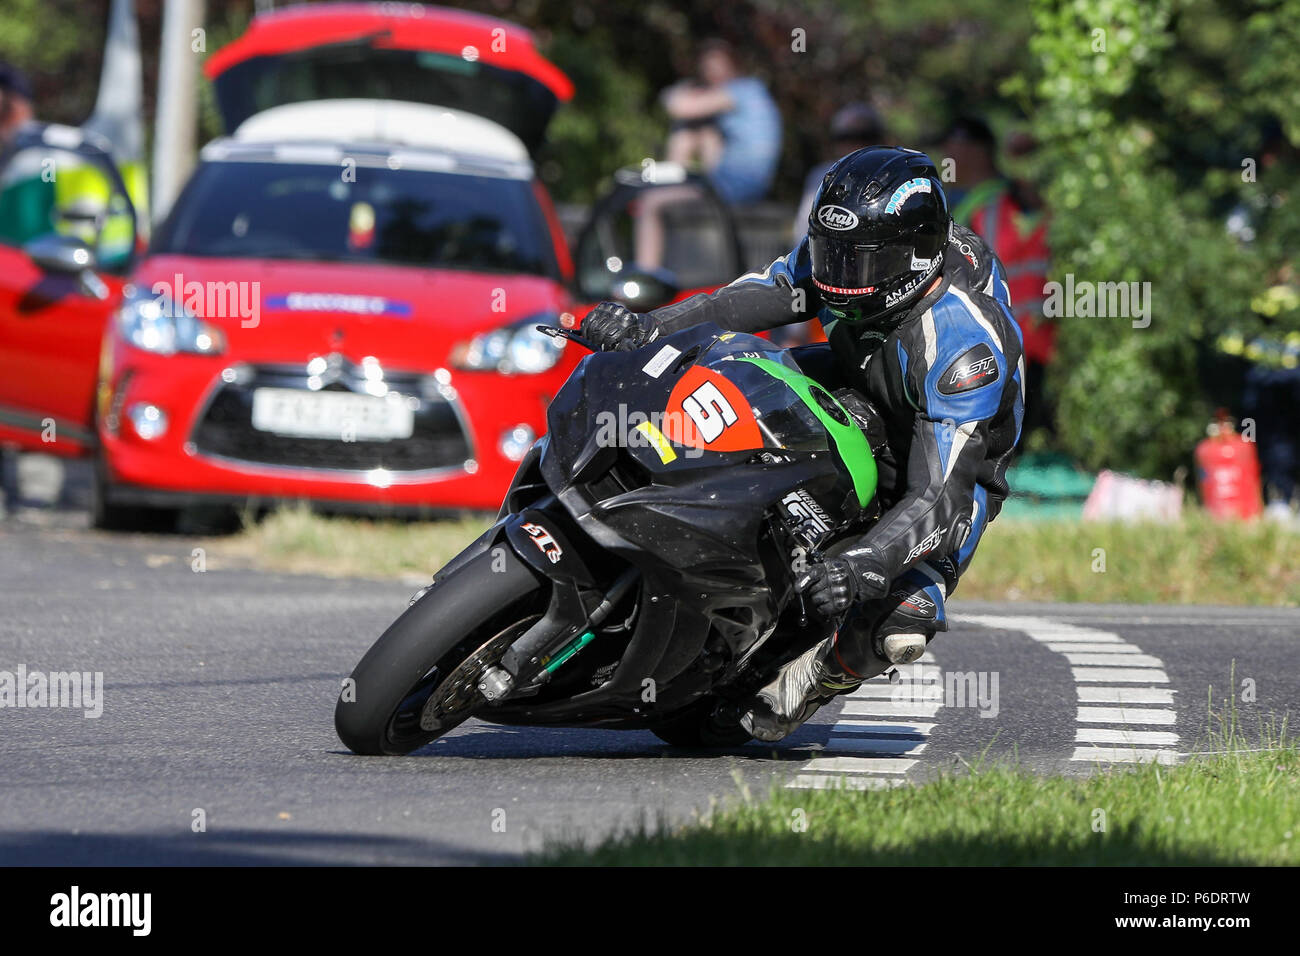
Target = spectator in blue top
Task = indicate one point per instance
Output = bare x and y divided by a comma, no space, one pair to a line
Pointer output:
854,126
728,126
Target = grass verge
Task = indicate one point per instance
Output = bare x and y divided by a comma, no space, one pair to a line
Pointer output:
1197,561
1234,804
301,541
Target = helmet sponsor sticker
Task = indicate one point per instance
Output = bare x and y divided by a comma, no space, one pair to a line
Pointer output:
906,191
865,290
899,294
974,368
837,217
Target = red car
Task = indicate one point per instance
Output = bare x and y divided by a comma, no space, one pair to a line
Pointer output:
342,303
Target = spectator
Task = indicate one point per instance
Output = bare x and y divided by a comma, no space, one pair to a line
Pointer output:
15,102
1272,379
853,127
728,126
1008,215
970,146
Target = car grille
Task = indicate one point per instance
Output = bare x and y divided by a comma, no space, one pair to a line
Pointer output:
438,440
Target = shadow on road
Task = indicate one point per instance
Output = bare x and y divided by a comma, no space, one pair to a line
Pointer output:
483,741
242,847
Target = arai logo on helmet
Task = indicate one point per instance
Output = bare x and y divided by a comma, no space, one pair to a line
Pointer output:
836,217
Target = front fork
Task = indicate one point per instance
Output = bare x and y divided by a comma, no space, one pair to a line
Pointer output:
570,622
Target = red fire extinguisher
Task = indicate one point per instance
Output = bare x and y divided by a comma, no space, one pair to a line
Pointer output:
1227,472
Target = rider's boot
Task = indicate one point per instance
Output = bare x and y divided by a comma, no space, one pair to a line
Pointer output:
800,687
814,677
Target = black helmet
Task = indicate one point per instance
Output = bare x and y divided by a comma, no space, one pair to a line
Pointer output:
877,231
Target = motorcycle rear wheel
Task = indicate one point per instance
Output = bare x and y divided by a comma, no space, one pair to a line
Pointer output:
389,706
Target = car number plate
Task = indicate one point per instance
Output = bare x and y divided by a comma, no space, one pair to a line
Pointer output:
342,416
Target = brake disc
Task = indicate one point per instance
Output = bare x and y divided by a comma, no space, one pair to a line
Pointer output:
458,692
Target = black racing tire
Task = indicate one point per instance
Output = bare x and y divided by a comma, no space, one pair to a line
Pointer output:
379,711
703,725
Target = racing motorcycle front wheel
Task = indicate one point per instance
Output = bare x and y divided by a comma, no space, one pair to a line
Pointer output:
420,679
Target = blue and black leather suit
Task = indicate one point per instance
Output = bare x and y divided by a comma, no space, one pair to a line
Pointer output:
948,384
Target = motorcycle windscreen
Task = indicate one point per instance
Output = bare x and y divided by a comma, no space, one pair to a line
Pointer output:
360,70
784,418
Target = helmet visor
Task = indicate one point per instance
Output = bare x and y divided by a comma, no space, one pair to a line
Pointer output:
849,269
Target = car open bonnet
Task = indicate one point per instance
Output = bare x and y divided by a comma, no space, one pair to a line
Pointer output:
423,54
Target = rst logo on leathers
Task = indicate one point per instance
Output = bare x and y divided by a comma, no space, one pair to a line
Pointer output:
975,367
837,217
545,543
930,542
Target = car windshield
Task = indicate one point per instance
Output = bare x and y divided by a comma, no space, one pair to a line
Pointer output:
261,210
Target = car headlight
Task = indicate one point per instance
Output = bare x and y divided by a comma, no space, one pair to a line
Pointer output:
156,324
516,349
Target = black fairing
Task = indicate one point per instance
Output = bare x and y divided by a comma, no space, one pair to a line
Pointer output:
704,528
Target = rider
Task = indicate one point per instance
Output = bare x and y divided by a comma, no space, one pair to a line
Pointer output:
920,342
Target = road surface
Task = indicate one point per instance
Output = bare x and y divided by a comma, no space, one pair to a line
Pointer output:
216,743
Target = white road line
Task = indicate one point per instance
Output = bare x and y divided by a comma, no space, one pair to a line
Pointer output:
926,691
1103,657
1079,637
1107,735
1134,675
1124,755
882,728
858,765
1114,660
828,781
874,745
1079,647
879,732
1124,695
1126,715
890,708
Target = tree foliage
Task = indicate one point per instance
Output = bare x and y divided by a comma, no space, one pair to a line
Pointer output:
1149,116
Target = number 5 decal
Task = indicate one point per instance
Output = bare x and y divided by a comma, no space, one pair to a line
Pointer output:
710,411
706,410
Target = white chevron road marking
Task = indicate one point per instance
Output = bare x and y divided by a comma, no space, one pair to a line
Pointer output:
1089,694
1125,715
879,732
1099,657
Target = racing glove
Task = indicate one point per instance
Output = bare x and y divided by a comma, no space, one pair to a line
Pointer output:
615,328
834,585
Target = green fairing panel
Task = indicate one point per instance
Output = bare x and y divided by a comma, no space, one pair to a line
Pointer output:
850,443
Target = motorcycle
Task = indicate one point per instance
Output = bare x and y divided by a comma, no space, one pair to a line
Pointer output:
641,573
